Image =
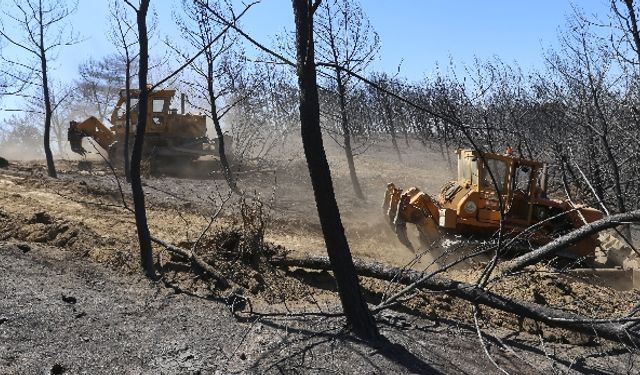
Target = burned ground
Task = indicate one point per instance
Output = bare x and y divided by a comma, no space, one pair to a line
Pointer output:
71,240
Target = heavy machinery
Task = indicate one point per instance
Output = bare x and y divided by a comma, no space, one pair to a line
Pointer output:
493,190
170,138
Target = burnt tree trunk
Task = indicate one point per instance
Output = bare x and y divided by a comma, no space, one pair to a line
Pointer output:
391,126
51,168
353,303
127,117
346,136
633,25
226,169
144,237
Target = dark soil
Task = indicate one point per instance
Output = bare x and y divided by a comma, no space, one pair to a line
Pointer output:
60,313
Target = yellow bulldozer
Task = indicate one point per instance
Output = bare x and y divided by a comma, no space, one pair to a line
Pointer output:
171,138
493,191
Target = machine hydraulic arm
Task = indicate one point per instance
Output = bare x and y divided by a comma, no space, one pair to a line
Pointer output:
91,127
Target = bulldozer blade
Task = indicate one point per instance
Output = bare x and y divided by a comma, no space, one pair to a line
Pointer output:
428,231
390,202
398,223
401,233
75,139
390,209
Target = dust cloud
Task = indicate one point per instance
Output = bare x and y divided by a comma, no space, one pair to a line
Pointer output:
20,152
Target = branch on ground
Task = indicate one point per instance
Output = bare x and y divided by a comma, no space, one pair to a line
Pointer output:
610,329
569,239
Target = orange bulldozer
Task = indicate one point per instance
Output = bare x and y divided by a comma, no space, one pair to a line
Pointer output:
171,138
494,191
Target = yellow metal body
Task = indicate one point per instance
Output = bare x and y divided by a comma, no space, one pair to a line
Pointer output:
490,190
161,119
96,130
167,133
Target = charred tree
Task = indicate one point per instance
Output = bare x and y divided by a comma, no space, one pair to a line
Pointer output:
347,42
127,120
215,44
387,110
42,24
346,137
353,303
98,85
123,40
144,236
51,168
629,25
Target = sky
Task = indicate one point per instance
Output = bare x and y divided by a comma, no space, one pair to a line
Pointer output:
416,35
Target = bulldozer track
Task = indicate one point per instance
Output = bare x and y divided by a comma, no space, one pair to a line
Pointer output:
616,251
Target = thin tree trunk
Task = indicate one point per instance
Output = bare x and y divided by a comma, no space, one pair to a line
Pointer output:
59,138
226,169
353,303
392,128
127,116
346,135
615,169
617,184
633,23
144,237
605,143
51,168
405,132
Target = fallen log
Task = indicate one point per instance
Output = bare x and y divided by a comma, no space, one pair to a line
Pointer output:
611,329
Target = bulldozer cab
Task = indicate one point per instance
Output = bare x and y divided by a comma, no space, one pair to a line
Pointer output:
500,173
158,111
519,182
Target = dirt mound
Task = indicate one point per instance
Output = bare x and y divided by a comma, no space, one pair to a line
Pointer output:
45,228
40,227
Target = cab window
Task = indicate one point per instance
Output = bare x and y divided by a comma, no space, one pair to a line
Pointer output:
464,169
158,105
499,170
522,178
